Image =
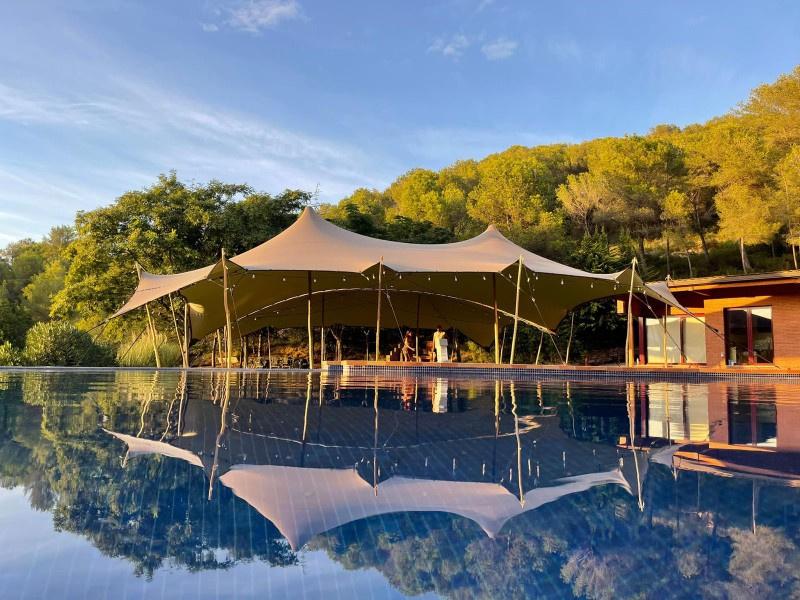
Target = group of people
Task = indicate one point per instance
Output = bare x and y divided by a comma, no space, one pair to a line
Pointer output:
407,351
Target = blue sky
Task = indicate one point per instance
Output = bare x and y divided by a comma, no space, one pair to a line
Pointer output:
100,96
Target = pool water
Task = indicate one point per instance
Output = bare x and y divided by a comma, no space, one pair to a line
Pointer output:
145,484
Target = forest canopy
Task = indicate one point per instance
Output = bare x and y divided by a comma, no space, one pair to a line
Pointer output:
712,198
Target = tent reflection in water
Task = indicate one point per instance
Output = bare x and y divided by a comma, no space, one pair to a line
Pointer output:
315,274
297,485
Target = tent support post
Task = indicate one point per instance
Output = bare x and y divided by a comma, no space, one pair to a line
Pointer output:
666,359
269,348
186,333
378,326
416,330
569,341
629,337
228,329
310,329
539,351
516,313
496,321
152,327
177,332
322,357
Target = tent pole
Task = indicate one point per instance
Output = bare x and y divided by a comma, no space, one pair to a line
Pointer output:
186,332
416,331
310,329
152,327
177,333
378,327
569,341
539,351
322,349
516,312
229,330
269,348
496,322
666,361
629,337
258,352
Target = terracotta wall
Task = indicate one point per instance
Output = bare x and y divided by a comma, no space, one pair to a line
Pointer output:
785,327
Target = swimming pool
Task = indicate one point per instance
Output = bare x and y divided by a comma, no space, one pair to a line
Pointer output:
143,484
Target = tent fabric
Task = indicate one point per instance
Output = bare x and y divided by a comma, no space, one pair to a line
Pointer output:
142,446
316,256
152,287
304,502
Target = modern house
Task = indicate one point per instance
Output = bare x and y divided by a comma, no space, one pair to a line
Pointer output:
736,321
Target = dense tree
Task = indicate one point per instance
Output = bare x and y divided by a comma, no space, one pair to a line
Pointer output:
517,192
639,172
582,195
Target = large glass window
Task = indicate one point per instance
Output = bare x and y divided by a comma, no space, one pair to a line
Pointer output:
748,335
694,340
685,340
753,423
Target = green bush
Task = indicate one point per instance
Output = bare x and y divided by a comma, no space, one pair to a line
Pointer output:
9,356
139,353
59,343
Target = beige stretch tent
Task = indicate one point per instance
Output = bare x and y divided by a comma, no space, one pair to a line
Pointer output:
316,274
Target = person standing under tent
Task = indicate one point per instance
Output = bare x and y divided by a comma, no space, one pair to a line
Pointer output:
440,344
407,354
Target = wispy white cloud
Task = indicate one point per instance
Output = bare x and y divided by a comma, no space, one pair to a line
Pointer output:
452,47
484,4
162,131
29,107
499,49
209,27
256,15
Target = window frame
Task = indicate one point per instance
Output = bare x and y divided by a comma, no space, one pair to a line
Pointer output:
752,359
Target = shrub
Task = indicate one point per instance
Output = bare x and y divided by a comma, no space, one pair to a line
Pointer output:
139,353
9,356
59,343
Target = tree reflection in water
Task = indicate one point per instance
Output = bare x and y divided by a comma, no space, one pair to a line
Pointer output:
691,533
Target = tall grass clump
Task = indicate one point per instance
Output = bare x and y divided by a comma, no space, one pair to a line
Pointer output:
139,352
61,344
9,356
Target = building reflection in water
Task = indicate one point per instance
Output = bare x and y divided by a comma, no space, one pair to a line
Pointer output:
729,428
